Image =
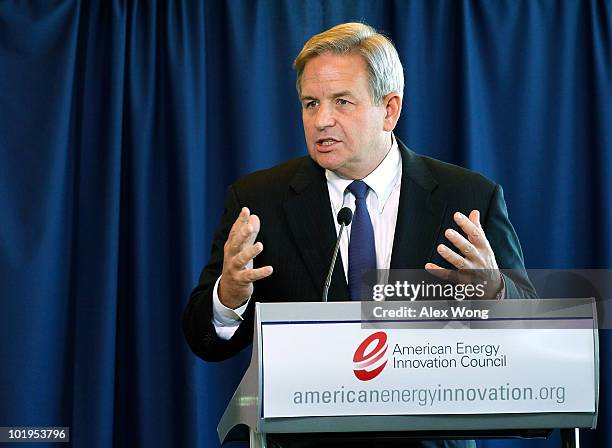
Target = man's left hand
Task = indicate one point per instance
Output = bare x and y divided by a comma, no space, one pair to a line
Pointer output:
475,254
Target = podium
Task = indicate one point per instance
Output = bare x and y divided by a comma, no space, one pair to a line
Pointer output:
396,371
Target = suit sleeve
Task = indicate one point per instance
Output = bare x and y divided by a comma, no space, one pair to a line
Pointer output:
506,247
198,324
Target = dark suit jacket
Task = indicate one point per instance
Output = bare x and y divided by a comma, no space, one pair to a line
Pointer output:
298,234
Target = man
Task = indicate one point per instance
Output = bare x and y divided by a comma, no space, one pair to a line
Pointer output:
278,230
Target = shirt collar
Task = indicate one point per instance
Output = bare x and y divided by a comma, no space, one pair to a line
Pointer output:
381,181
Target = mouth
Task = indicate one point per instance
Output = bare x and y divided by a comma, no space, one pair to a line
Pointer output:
326,144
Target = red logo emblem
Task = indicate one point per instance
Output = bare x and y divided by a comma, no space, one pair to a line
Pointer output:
368,365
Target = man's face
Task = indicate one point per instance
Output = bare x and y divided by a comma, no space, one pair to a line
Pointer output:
344,130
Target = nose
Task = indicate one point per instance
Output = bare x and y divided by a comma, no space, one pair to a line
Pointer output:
324,117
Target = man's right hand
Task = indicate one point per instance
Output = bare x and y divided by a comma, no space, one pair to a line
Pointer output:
236,284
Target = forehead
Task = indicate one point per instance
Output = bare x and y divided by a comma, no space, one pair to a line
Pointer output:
333,72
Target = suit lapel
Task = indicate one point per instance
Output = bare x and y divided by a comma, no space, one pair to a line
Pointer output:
420,215
310,220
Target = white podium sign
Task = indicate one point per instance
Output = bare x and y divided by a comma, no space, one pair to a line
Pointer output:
342,369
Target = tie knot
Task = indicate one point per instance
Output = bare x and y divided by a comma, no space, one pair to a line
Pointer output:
359,188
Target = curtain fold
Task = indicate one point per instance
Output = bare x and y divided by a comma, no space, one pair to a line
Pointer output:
122,122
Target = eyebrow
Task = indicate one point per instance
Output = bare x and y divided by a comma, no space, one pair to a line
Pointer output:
343,93
335,95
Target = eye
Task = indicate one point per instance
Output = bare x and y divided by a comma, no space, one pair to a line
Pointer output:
342,102
310,104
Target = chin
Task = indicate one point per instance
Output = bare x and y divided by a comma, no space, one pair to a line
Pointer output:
327,162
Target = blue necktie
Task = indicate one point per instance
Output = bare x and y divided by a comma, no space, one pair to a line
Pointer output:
362,249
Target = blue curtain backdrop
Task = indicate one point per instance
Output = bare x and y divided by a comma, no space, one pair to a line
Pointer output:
121,123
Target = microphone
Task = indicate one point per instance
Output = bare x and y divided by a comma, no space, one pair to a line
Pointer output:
345,216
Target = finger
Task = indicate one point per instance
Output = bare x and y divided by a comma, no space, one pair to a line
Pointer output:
438,271
252,229
462,244
244,213
447,275
248,234
475,218
242,259
474,233
252,275
242,218
463,276
452,257
243,233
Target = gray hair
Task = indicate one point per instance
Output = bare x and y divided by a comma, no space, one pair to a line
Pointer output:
385,71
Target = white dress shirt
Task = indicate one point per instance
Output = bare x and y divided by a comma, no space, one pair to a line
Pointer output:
382,201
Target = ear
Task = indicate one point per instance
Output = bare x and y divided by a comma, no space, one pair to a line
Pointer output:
393,107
